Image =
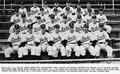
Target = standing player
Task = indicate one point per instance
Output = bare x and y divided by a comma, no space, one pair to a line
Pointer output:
89,8
86,40
14,41
22,9
101,18
35,9
79,9
102,42
57,10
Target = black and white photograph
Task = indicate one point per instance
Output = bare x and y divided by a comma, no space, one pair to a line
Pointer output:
60,32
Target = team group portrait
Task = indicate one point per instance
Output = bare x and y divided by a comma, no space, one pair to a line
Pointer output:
59,30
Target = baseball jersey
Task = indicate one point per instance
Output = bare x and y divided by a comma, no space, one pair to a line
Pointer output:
93,27
47,10
71,37
24,10
35,10
101,36
102,18
15,19
50,25
30,38
79,27
23,27
30,19
86,37
88,18
36,28
64,27
56,38
11,30
15,39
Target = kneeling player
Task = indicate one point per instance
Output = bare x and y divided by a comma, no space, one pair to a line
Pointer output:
14,41
103,38
86,40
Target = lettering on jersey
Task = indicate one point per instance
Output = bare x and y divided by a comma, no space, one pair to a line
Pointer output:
43,40
30,39
101,37
84,39
93,29
69,39
79,29
56,39
37,29
23,28
63,29
14,40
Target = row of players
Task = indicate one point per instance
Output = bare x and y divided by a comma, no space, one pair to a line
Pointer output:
61,38
71,13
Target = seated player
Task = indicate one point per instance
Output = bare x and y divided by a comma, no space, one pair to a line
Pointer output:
102,42
85,42
15,41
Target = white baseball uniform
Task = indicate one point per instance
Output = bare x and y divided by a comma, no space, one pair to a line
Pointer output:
16,40
93,27
15,19
85,38
35,10
86,11
22,10
102,44
79,27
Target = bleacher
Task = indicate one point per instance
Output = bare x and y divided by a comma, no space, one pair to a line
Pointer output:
111,9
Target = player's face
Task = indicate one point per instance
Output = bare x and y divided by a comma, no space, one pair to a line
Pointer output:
67,5
79,20
16,13
101,29
34,5
28,13
17,31
100,12
56,4
88,5
79,6
65,21
22,6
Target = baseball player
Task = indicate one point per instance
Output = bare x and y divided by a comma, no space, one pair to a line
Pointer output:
79,9
94,25
15,18
55,44
41,40
102,42
79,24
29,17
88,17
64,26
35,9
68,9
30,44
15,42
101,18
57,10
22,9
23,24
85,39
53,21
89,8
